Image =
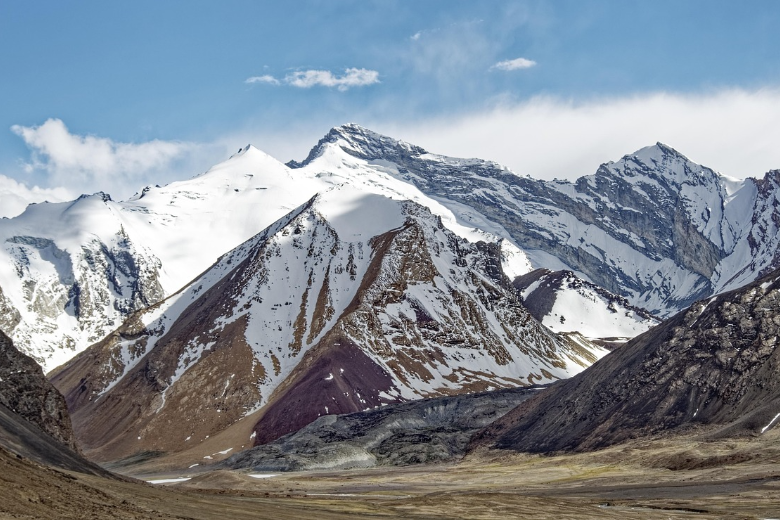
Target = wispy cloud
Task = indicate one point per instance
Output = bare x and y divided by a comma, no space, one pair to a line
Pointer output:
90,163
450,53
515,64
352,77
263,79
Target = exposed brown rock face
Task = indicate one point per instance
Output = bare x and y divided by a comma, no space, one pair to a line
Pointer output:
25,391
343,380
716,364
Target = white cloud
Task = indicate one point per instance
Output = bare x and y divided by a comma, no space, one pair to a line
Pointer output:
90,163
263,79
515,64
15,196
352,77
732,131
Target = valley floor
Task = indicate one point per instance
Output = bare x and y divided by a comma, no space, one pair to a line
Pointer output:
679,477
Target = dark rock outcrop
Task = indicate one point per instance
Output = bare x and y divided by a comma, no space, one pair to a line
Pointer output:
427,431
715,365
34,421
25,391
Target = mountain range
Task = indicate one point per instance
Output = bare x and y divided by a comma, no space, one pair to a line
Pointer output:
653,228
243,304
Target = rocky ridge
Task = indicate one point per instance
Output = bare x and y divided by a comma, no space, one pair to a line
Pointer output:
653,227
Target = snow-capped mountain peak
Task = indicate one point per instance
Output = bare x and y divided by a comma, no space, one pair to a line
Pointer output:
653,227
349,301
664,164
359,142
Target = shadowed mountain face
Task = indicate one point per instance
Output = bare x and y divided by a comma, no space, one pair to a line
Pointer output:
715,365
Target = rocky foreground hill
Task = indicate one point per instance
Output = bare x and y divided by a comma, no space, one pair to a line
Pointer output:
24,391
715,366
34,420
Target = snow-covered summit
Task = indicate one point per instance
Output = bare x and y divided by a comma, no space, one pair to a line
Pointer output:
360,142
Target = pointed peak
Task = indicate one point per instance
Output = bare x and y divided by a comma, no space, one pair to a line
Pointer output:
249,148
655,153
360,142
249,153
662,161
102,196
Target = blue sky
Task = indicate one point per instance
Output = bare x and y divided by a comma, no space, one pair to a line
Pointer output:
115,95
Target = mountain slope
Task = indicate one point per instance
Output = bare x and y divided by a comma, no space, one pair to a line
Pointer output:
715,365
565,303
654,227
350,301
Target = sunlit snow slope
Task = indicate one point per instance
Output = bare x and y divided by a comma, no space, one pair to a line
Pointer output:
565,303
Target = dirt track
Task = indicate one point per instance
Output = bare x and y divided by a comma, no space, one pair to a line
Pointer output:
725,479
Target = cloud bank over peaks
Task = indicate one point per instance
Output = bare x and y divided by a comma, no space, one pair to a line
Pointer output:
15,196
734,131
352,77
86,164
